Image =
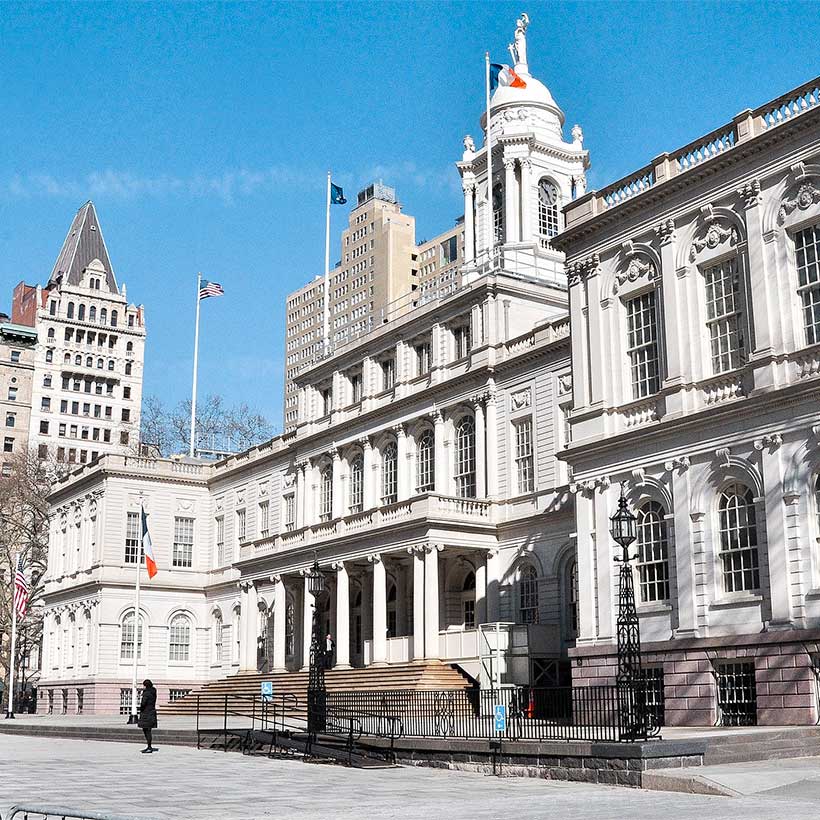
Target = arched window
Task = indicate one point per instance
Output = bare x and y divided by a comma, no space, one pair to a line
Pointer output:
326,493
468,600
548,205
129,347
425,463
89,361
70,310
356,617
724,314
357,484
237,633
103,315
110,364
51,333
392,612
571,593
528,595
653,553
465,458
127,368
390,461
807,253
85,644
49,355
216,634
81,313
113,318
738,539
179,639
498,213
100,364
127,638
78,359
92,314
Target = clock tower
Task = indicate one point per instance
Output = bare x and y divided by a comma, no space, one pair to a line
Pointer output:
535,173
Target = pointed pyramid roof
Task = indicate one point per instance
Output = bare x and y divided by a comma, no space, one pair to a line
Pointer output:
83,245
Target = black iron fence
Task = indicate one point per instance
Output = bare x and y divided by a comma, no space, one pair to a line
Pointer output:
591,713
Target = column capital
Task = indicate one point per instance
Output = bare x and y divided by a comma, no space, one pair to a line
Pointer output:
468,188
375,558
400,429
417,549
666,231
480,399
334,453
437,416
431,548
302,464
509,163
338,565
276,579
750,194
365,443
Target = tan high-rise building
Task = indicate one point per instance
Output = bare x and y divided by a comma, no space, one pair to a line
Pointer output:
377,267
16,379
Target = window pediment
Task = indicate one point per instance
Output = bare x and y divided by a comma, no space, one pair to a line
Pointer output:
804,202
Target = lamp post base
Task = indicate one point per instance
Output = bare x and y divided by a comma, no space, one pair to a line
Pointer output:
132,720
9,715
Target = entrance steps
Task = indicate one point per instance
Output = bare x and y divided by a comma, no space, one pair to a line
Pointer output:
762,744
418,675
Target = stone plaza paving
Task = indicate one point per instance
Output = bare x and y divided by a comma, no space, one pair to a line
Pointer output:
179,782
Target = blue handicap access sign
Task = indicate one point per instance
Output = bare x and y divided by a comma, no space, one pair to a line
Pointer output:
267,690
500,717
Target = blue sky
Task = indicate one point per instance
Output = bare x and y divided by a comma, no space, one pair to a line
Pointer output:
203,131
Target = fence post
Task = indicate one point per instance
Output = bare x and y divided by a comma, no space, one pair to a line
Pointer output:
197,721
225,723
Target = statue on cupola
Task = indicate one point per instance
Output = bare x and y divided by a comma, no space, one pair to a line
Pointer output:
518,49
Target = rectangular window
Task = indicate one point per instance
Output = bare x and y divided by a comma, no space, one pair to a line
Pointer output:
523,455
807,253
183,552
10,419
723,315
220,541
356,387
132,538
15,356
290,512
264,518
8,444
737,694
462,341
388,373
12,394
423,357
44,427
327,401
642,345
241,518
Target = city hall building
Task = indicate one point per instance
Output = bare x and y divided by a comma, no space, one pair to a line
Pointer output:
453,469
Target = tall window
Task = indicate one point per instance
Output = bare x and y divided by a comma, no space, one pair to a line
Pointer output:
241,519
220,541
132,538
498,213
179,640
572,598
528,595
547,211
465,458
264,518
738,539
642,345
290,630
127,638
183,551
388,373
357,484
356,387
327,401
423,357
425,462
723,315
390,462
653,553
468,600
216,629
817,500
290,512
523,455
326,493
392,612
807,251
462,341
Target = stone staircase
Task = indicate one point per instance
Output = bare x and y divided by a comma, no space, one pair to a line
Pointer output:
417,675
762,744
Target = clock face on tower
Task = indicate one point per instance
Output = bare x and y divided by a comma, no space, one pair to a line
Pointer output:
549,193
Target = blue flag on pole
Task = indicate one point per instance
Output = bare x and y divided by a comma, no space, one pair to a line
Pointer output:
337,195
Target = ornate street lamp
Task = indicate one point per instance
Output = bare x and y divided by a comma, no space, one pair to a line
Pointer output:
317,693
631,700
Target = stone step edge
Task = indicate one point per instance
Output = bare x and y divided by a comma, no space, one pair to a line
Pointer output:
685,784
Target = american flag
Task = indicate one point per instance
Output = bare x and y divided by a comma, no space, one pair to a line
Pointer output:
207,289
20,589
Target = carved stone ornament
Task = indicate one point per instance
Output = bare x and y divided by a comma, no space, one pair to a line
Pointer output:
564,384
521,399
219,503
665,231
263,489
807,195
240,496
184,505
469,148
579,271
715,235
635,270
290,479
750,193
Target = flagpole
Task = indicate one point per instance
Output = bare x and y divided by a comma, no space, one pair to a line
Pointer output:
132,718
327,269
196,362
10,704
488,141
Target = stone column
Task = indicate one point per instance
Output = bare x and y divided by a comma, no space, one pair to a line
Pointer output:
481,591
687,626
250,619
308,605
280,604
492,442
402,472
367,477
510,202
243,632
469,222
337,506
480,450
441,461
431,603
526,198
342,617
418,602
587,582
379,611
493,568
606,580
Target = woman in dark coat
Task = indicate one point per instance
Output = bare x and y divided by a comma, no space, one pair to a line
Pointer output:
148,713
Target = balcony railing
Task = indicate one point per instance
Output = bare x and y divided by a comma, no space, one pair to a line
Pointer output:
431,506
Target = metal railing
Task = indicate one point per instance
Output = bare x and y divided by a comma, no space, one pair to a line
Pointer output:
585,713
